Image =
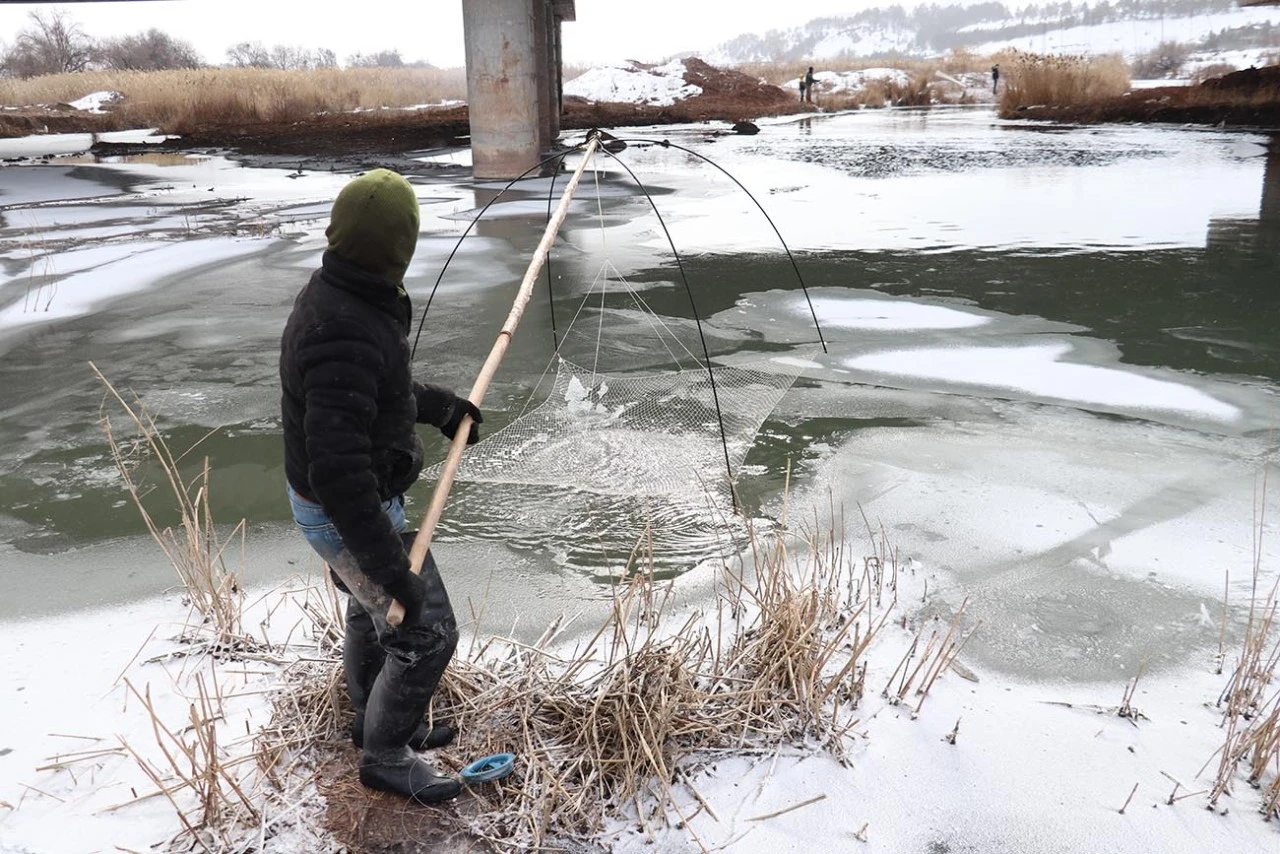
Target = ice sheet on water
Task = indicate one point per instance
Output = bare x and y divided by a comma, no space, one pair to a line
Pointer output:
82,292
899,314
1039,370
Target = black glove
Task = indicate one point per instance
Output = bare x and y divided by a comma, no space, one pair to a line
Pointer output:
410,591
462,407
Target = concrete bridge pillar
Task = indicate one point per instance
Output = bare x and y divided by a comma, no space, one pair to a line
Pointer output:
512,49
555,70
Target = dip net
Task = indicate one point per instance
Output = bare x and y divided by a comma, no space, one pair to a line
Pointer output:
654,435
602,467
606,465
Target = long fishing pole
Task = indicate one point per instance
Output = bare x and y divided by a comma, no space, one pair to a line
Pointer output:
422,542
458,245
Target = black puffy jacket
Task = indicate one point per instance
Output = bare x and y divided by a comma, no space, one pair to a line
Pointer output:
349,406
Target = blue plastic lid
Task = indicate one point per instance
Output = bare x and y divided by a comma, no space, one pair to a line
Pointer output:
489,768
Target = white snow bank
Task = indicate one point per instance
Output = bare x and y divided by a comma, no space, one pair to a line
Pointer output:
94,101
835,82
632,83
1037,370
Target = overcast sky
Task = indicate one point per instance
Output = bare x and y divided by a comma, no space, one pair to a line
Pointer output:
432,29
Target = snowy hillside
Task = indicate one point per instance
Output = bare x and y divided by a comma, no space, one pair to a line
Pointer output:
1131,27
1131,37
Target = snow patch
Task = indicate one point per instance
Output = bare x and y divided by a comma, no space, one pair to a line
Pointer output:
95,101
633,83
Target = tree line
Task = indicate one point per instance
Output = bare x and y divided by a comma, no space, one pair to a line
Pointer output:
54,43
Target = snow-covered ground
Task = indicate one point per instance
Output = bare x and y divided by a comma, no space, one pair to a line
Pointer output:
987,759
632,83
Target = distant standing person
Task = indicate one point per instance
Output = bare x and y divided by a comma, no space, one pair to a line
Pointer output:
806,86
995,77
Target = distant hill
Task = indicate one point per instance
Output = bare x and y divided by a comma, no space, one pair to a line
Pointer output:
1130,27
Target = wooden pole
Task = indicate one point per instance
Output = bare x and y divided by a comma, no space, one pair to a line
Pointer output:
422,543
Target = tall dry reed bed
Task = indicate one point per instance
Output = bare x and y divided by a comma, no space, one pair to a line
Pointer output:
1060,80
181,100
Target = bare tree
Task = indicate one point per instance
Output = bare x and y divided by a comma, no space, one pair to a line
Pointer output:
381,59
149,51
249,55
326,58
281,56
51,44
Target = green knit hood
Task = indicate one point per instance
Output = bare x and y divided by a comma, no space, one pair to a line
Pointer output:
374,223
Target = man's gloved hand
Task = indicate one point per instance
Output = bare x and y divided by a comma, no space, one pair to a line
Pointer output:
410,591
461,408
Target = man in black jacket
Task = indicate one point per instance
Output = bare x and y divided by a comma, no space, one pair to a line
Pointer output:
349,407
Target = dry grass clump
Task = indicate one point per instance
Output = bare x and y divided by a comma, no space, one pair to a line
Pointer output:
195,762
878,92
615,726
1032,79
1251,699
1210,71
180,100
1251,712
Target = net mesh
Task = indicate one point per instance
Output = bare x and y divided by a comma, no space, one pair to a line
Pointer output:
655,435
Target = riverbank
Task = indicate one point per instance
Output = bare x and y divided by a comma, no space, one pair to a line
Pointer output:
1243,99
808,695
284,128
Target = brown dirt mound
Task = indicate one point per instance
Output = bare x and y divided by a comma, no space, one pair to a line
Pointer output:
1246,80
727,95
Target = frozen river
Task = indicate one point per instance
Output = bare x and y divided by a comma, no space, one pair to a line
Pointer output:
1051,364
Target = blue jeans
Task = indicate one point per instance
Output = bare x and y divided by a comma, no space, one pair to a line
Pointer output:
318,529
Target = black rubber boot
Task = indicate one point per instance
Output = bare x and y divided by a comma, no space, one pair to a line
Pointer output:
362,658
423,738
417,652
387,763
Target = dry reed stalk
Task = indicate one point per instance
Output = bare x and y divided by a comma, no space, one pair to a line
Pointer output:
1251,718
194,548
1127,709
1132,792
